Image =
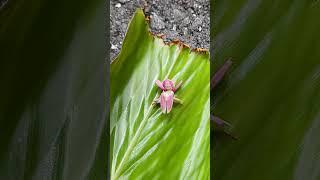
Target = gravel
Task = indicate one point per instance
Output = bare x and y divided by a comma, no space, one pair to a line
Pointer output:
186,20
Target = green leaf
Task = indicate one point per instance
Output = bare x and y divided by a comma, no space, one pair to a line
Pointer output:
272,94
146,144
52,73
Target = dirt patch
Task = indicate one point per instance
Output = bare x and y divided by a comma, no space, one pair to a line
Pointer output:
186,20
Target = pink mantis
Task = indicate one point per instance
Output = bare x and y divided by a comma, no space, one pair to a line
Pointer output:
167,97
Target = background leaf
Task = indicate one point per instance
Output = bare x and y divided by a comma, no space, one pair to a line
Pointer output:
146,144
272,94
52,73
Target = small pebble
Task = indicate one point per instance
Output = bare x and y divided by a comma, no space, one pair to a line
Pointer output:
185,31
118,5
174,27
114,47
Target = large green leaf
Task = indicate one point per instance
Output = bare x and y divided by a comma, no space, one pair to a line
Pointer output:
52,73
272,94
146,144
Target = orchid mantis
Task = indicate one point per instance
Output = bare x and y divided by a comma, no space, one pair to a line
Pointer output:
167,96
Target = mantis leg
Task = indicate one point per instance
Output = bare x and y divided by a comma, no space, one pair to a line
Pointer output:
177,100
177,86
156,101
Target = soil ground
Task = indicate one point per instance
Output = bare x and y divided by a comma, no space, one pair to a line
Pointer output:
186,20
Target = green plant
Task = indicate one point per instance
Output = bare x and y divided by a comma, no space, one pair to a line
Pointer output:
52,108
272,94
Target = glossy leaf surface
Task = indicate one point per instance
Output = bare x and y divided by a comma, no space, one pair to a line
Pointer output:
272,93
52,73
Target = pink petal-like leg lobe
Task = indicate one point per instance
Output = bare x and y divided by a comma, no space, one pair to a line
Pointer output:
163,103
160,85
169,100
